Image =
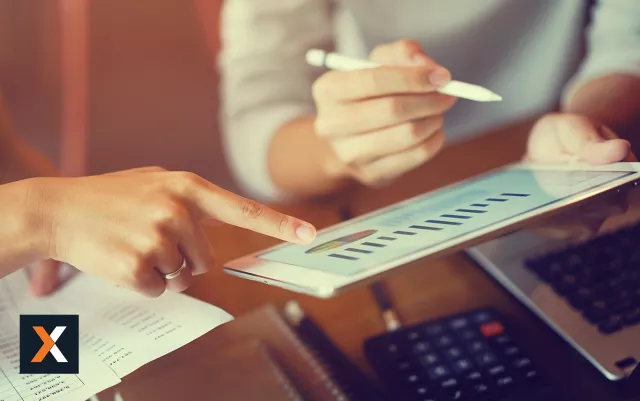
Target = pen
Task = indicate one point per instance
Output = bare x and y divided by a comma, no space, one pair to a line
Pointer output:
335,61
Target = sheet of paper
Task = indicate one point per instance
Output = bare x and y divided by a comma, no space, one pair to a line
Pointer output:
124,329
93,378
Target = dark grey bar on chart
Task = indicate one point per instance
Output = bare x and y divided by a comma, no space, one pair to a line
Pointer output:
337,255
448,223
418,227
514,194
387,238
358,250
455,216
404,232
479,204
373,244
470,211
495,200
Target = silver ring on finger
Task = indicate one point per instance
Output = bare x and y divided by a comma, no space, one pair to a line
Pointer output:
176,273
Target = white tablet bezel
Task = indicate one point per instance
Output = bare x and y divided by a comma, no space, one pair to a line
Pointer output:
324,284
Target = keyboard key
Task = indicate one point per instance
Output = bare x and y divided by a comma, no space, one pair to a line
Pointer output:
421,347
439,372
486,358
454,352
491,329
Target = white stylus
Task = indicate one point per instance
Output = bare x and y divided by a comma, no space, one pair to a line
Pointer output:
335,61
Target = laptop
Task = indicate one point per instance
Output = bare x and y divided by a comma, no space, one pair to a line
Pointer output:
582,279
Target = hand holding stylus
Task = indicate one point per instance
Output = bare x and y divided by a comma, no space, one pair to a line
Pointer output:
383,122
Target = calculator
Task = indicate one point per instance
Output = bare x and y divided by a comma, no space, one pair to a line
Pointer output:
467,356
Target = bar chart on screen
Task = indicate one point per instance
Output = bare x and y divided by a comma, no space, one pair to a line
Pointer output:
430,220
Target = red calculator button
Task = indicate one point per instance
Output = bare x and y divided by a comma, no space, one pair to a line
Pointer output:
491,329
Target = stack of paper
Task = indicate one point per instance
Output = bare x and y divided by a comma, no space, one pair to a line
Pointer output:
119,332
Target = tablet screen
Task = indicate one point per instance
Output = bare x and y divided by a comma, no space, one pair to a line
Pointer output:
434,218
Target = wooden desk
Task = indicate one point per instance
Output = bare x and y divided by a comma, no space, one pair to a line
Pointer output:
445,286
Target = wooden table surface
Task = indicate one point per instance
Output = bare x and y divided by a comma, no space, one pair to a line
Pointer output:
447,285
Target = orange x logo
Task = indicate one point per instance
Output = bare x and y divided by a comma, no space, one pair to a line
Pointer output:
47,344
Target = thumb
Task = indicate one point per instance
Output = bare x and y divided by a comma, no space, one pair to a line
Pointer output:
605,148
44,277
590,142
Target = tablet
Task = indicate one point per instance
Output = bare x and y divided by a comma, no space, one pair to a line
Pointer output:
433,224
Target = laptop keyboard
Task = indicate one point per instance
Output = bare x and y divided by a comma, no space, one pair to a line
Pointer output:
600,278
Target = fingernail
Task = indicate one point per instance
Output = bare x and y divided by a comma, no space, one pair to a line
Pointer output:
306,232
440,76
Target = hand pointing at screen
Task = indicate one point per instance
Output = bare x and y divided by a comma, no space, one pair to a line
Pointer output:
138,229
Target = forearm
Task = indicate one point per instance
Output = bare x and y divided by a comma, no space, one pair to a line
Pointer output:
23,227
303,164
613,100
18,159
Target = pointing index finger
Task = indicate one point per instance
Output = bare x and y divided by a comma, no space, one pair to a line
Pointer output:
215,202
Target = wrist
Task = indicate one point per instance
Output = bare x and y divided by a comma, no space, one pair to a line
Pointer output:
38,219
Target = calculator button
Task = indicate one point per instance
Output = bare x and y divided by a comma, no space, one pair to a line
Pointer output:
421,347
449,383
502,340
482,317
491,329
422,390
459,323
477,346
474,376
439,372
404,366
468,334
522,363
429,359
462,365
496,370
414,378
480,389
413,335
454,352
435,330
511,351
486,359
504,382
444,341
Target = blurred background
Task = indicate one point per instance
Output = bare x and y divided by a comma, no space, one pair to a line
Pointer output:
104,85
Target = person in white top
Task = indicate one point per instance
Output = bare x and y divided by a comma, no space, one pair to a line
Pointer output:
295,131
